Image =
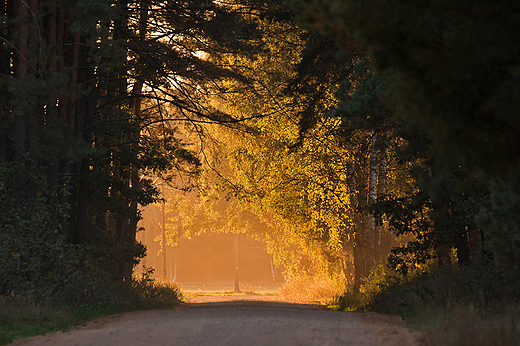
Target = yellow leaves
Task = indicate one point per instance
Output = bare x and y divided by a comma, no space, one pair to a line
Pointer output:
335,242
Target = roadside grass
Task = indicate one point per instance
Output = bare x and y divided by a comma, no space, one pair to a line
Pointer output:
478,305
22,317
306,288
466,326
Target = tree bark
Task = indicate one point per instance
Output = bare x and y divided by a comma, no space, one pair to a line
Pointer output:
358,241
462,246
381,189
372,193
135,105
360,271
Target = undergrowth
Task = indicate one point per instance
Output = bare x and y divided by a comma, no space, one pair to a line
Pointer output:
471,305
320,288
26,316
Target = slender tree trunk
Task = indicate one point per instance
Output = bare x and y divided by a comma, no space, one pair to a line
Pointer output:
372,193
6,53
235,253
358,241
84,184
135,105
163,239
462,246
360,270
381,189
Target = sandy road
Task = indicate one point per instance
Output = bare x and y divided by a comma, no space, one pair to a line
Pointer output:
235,320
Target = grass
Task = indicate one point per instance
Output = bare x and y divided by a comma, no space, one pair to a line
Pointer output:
476,306
465,326
22,317
322,289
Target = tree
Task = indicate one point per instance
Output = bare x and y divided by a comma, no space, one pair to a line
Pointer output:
318,151
452,69
91,93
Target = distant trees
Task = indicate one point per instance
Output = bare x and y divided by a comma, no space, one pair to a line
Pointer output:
317,147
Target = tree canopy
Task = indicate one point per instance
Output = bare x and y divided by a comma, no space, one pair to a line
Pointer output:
340,132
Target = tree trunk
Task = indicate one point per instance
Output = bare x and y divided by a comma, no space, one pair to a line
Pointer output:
163,239
135,105
360,271
462,246
381,189
372,192
358,241
235,256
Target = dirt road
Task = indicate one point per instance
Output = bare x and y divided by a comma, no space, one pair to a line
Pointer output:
235,320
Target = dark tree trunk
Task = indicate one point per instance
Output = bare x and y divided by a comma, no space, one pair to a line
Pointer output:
372,239
442,250
381,248
359,262
462,246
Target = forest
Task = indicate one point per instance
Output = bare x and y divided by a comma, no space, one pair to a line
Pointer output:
375,144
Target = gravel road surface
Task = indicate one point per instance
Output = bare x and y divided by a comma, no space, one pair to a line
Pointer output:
235,320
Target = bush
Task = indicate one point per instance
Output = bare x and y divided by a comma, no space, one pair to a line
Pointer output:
22,317
38,262
151,294
381,278
487,288
471,305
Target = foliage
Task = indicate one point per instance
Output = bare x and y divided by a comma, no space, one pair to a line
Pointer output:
451,71
409,216
472,305
92,93
271,174
450,65
38,261
488,288
36,258
151,294
381,278
23,317
500,219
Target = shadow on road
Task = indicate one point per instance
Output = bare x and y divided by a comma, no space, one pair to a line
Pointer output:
212,301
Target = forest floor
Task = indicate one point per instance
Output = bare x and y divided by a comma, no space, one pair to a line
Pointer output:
231,319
